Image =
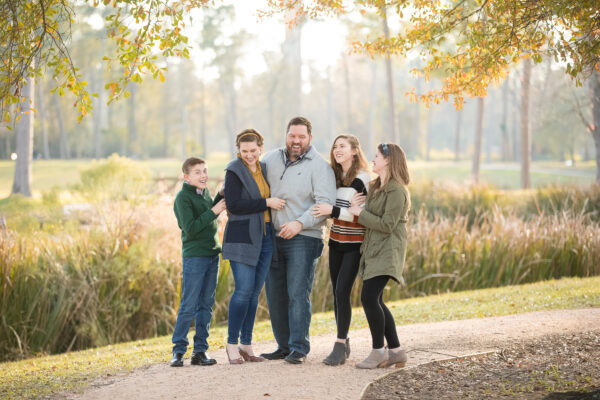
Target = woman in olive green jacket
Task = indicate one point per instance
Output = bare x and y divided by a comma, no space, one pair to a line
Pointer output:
383,250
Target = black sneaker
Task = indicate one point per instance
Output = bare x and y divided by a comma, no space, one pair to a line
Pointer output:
177,360
295,358
278,354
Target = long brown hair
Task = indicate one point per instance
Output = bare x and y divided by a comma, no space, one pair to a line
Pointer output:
397,168
359,162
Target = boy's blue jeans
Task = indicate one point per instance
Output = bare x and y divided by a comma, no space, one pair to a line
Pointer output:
249,280
198,288
288,289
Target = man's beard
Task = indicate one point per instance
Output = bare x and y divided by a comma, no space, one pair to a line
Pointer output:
296,153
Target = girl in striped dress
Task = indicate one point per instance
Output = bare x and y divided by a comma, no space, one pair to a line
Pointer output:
346,235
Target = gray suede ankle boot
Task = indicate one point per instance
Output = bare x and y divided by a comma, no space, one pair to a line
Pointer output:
376,359
397,358
337,356
347,347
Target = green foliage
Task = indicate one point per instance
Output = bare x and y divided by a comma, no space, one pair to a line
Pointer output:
116,178
42,30
29,216
473,43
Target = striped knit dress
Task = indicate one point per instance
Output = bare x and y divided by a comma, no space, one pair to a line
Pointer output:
346,234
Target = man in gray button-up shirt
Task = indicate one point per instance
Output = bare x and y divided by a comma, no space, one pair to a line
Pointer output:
299,175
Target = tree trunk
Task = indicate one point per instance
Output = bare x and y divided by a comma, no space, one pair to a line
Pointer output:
586,151
98,116
515,127
7,143
393,137
233,116
571,147
330,108
488,133
165,115
504,123
183,99
371,117
292,57
525,136
349,122
64,150
457,135
417,145
271,114
42,114
203,141
24,131
478,138
131,126
428,134
184,128
228,92
595,88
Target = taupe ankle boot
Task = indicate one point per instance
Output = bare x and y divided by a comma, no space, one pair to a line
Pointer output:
397,358
375,360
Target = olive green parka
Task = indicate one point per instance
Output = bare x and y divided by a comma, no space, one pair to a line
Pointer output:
383,251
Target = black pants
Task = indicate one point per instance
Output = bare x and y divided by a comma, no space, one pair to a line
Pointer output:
343,267
381,321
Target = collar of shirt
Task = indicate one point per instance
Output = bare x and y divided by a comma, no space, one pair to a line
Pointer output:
301,157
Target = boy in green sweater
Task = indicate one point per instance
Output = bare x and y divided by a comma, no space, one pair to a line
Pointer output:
196,214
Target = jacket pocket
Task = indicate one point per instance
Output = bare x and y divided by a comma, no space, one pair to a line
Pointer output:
377,245
238,232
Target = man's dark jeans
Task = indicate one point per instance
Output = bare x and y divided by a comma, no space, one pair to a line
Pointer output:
288,289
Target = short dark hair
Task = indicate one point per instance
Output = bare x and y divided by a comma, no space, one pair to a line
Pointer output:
300,121
189,164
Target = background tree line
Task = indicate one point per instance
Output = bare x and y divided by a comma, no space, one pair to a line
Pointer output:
204,101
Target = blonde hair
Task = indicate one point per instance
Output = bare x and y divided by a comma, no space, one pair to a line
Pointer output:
397,168
359,162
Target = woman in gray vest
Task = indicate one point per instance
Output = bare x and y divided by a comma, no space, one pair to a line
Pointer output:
248,242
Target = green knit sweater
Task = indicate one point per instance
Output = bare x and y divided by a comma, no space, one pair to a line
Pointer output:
197,222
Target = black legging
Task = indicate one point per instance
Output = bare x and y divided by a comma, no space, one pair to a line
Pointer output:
381,321
343,267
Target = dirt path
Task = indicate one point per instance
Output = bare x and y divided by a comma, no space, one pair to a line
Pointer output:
314,380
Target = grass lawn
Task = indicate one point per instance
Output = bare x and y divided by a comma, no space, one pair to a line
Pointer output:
46,375
62,173
48,174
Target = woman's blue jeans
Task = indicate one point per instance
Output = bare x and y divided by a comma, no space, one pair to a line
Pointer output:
249,280
198,287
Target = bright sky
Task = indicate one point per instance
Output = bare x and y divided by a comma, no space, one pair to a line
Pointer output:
323,42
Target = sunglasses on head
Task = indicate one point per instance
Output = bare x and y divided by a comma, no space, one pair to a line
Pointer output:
385,149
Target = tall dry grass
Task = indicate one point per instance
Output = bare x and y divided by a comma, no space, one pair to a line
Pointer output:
451,254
